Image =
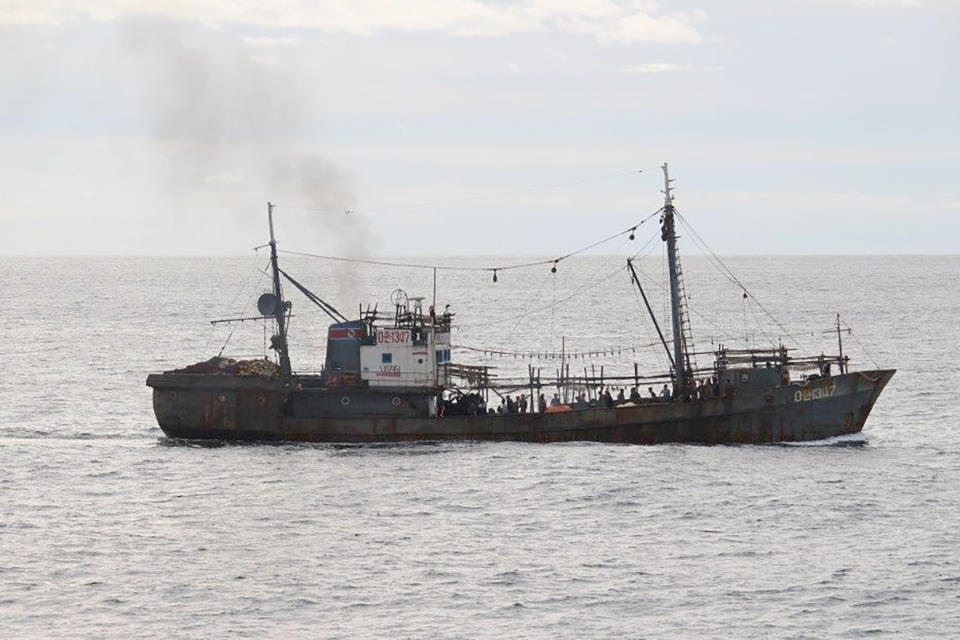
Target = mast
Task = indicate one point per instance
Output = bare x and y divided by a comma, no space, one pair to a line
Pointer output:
840,345
279,341
668,234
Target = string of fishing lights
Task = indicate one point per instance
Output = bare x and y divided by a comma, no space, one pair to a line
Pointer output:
559,355
630,231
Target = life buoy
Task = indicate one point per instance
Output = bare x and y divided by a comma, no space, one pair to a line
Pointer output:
396,401
345,401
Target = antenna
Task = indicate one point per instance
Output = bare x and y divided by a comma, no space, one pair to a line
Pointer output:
273,240
668,196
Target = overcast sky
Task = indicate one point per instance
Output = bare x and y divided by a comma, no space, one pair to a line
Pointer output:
163,127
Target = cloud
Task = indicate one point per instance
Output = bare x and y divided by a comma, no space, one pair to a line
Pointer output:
611,21
640,26
815,200
667,67
265,60
26,13
265,41
223,178
891,3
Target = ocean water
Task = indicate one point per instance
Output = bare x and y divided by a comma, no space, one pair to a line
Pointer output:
109,530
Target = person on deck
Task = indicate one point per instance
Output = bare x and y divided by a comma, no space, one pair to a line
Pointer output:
523,404
620,397
542,404
653,394
555,401
634,395
607,399
665,392
511,405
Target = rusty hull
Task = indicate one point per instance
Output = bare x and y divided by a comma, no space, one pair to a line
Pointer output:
257,409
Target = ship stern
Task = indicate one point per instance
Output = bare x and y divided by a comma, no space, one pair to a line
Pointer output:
218,407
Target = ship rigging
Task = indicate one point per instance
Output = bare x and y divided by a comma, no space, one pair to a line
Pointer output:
679,346
393,376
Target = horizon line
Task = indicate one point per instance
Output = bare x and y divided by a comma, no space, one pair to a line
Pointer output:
473,255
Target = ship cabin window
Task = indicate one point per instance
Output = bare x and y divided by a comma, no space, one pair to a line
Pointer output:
386,358
446,355
439,355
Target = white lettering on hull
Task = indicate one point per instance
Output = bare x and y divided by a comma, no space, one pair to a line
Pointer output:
815,393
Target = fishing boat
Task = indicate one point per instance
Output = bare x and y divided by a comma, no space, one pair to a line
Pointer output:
393,377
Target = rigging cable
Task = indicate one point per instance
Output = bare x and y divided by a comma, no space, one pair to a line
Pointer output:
325,306
723,332
540,309
242,311
746,335
646,330
700,242
535,310
448,267
553,308
763,332
853,335
637,300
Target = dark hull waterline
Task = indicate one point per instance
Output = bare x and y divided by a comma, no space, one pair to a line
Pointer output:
251,409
